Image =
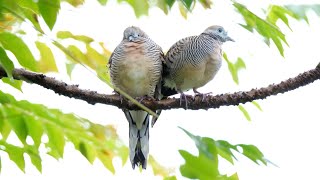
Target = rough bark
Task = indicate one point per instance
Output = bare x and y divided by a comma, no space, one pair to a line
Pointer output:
194,103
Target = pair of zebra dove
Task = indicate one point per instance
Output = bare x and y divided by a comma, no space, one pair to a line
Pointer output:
139,68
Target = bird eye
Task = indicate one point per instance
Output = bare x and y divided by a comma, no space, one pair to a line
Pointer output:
220,30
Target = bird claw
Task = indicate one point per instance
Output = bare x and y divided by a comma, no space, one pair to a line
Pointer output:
203,95
140,99
183,97
120,96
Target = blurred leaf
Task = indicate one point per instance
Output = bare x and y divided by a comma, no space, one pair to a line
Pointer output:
95,58
70,67
300,11
5,127
276,12
15,154
6,63
158,169
92,140
183,10
170,2
140,7
264,28
256,104
35,157
75,3
56,140
30,11
77,56
14,44
187,3
35,129
244,112
49,10
206,3
88,151
253,153
163,6
68,34
234,177
103,2
205,165
170,178
224,150
46,62
234,68
19,127
106,161
198,167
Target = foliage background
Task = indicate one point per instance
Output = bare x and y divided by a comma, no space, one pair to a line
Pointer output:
274,131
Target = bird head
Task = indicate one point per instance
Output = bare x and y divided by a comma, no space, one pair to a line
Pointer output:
134,34
218,32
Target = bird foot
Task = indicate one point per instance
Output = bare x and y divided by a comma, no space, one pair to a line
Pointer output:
140,99
203,95
183,97
120,96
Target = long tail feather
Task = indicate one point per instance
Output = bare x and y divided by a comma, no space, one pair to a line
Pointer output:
138,137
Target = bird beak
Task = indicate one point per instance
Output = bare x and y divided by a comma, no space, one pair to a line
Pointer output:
229,39
131,38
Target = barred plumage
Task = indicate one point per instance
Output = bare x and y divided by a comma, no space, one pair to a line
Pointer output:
193,61
136,68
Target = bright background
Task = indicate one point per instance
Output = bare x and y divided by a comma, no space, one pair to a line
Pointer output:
287,131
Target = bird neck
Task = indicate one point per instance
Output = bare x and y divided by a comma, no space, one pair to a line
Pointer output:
214,36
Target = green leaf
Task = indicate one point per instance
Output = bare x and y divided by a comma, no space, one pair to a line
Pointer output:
70,67
163,6
68,34
74,3
244,112
183,10
49,10
76,56
35,157
103,2
15,154
87,151
106,161
170,2
170,178
35,129
256,104
224,150
276,12
140,7
253,153
300,11
264,28
158,169
19,126
14,44
46,62
187,3
5,127
206,3
198,167
56,140
234,68
95,58
6,63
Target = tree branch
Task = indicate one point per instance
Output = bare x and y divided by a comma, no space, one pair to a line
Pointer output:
194,103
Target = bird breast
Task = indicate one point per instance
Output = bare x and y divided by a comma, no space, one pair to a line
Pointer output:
135,75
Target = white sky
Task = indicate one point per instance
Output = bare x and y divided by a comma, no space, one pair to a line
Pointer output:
287,131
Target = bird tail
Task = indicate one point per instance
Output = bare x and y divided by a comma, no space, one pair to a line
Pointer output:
138,137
